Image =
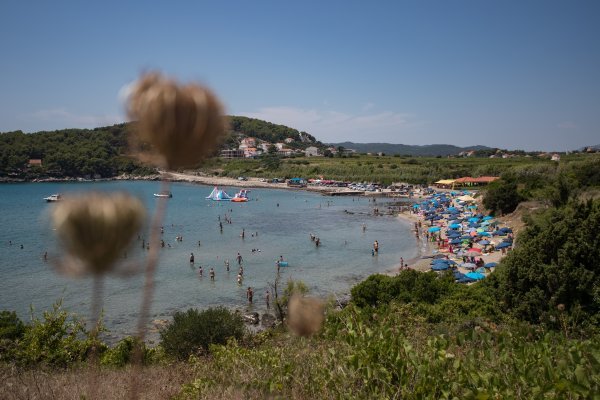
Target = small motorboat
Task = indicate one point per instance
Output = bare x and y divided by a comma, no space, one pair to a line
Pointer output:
53,197
164,194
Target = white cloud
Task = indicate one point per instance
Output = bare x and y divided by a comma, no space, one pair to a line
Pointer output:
335,126
62,118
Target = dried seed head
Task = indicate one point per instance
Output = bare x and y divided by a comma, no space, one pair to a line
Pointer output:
305,315
184,123
95,229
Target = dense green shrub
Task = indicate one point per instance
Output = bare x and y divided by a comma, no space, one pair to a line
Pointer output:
502,197
124,351
11,327
58,339
406,287
193,331
553,276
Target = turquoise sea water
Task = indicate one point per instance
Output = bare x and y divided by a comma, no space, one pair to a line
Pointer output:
284,219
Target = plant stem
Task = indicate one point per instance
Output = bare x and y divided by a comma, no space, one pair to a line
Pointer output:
151,265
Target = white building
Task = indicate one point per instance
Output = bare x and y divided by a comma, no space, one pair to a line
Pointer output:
311,151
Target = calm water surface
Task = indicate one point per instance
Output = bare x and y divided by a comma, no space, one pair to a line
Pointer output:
283,219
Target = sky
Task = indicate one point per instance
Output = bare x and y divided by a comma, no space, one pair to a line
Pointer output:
511,74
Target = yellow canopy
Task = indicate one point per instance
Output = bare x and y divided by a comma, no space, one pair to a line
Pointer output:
445,182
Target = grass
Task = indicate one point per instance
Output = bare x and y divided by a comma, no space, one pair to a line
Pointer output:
156,382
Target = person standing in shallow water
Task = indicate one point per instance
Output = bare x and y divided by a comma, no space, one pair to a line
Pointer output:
212,274
191,258
249,294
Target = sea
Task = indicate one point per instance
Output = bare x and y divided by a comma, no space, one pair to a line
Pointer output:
276,223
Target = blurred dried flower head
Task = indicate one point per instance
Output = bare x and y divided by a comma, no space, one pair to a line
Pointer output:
184,123
95,229
305,315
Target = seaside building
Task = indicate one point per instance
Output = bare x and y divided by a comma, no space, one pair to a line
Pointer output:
232,153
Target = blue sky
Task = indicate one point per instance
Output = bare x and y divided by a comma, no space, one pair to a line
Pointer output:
509,74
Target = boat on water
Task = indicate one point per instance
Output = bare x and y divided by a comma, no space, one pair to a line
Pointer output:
53,197
241,196
218,195
164,194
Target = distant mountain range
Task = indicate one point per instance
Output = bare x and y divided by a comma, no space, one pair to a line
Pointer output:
404,149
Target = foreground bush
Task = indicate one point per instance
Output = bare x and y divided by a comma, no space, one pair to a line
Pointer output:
124,351
58,339
194,330
394,354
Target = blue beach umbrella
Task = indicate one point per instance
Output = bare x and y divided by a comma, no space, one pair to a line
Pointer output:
434,229
503,245
455,241
491,265
487,218
473,219
439,267
485,234
475,275
454,226
484,242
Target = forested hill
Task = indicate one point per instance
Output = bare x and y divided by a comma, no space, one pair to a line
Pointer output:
104,151
67,153
269,132
404,149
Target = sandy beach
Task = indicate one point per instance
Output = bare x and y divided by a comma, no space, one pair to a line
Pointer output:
428,249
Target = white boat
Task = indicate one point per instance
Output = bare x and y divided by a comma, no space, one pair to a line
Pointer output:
164,194
53,197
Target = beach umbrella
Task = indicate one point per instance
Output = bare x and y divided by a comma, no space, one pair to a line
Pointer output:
458,275
475,276
487,218
481,270
473,219
439,267
468,265
455,241
434,229
485,234
484,242
480,230
503,245
474,249
454,226
473,233
472,253
491,265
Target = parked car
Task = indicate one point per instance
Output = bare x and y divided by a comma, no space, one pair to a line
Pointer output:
242,178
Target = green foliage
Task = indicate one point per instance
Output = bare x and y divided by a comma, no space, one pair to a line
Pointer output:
193,331
502,197
58,339
269,132
124,351
407,287
553,275
11,327
68,152
394,354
